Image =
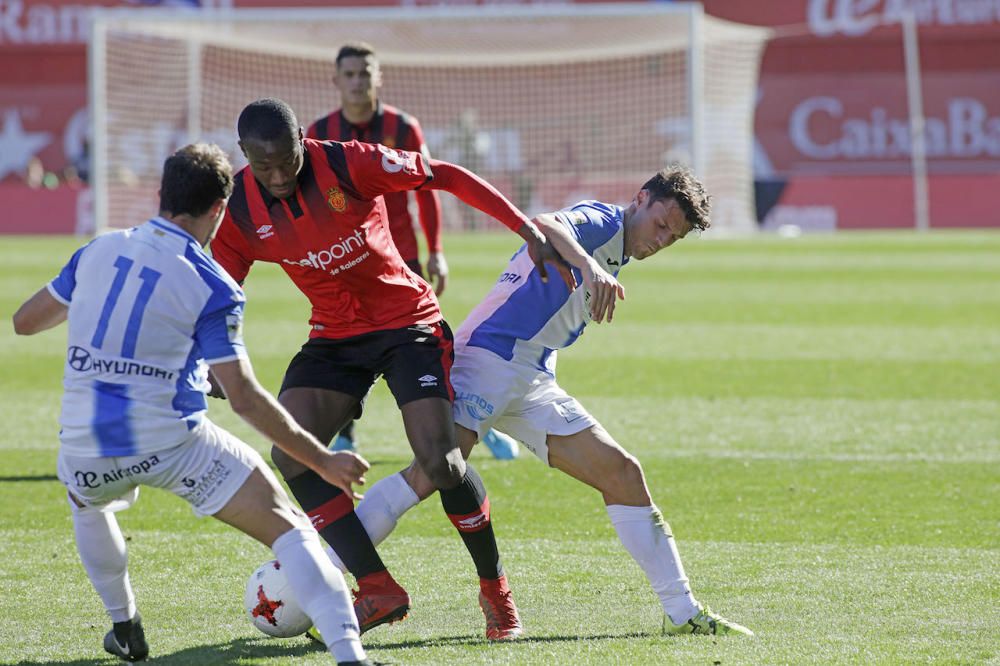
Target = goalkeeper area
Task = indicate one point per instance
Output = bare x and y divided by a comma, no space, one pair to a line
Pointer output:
817,419
551,104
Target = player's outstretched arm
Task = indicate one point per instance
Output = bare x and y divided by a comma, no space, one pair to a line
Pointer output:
429,207
479,194
603,287
258,408
39,313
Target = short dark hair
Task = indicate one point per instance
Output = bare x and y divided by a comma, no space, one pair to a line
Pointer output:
267,119
194,178
678,183
355,50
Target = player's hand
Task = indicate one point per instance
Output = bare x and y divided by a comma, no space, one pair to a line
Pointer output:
343,469
437,272
541,252
604,291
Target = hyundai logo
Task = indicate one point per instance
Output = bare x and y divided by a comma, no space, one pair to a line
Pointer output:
79,359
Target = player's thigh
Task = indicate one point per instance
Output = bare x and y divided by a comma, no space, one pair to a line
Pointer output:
595,458
430,430
261,509
326,383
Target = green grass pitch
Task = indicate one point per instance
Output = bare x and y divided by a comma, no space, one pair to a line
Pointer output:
818,419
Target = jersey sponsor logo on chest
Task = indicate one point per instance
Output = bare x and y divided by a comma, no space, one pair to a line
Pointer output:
345,253
81,360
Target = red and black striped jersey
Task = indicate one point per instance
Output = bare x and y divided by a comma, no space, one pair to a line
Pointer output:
332,238
394,128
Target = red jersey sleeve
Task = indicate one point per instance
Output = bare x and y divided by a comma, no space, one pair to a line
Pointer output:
377,170
230,249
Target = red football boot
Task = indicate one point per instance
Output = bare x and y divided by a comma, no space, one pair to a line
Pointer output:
379,600
502,620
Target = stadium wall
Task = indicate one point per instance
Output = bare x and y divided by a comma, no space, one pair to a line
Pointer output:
828,155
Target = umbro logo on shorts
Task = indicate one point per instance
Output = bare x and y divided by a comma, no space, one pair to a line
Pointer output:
265,231
428,380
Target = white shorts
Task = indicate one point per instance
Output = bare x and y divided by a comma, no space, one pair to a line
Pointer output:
515,398
206,470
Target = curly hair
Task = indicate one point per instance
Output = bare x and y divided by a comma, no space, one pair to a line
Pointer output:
678,183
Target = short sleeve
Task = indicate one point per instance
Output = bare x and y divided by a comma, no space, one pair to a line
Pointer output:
592,224
230,249
61,287
377,169
219,334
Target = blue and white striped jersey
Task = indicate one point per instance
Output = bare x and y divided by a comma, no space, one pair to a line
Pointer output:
526,320
148,309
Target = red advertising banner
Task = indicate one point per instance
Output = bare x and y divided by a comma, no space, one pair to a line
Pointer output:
832,121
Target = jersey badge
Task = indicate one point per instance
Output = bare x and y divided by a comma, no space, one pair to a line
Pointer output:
234,327
336,200
578,218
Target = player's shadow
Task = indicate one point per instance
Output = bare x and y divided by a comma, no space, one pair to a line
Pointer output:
29,477
236,651
469,639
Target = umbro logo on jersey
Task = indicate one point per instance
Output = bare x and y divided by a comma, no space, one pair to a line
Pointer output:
428,380
265,231
612,263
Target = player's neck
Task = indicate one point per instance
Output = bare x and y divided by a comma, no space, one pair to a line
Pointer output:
196,226
359,114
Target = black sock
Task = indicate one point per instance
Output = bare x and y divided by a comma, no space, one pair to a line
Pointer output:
332,514
468,508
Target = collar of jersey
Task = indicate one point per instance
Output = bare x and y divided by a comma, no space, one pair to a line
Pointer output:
172,228
269,198
371,121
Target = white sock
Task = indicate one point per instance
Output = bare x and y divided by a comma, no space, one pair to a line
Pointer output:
380,510
321,591
647,538
102,550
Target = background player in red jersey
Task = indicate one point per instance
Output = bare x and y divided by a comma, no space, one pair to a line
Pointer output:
315,209
363,117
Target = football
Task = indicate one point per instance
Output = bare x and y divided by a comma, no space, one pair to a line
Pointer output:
271,605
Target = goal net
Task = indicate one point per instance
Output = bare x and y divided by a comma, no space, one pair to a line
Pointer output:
552,104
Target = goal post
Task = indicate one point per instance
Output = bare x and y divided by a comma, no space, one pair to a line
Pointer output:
550,103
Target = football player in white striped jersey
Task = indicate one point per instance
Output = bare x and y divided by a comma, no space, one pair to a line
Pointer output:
504,377
149,312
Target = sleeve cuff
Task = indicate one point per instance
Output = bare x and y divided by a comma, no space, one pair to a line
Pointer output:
55,294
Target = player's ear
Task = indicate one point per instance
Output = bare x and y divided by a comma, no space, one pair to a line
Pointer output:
242,149
301,134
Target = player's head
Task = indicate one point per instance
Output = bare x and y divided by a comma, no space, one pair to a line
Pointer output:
670,205
196,185
271,140
358,76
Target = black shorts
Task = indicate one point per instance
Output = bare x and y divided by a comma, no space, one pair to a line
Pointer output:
415,361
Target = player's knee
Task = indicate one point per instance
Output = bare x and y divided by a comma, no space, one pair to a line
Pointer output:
288,466
627,483
446,471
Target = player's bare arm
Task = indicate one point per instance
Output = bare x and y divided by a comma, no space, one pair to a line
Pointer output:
603,287
429,208
39,313
256,406
479,194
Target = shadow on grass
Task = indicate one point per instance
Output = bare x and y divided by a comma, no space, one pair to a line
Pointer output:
236,651
239,650
29,477
474,639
